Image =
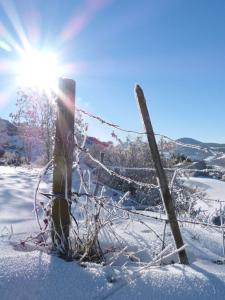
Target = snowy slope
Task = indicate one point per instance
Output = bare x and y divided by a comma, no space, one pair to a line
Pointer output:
213,153
214,190
27,273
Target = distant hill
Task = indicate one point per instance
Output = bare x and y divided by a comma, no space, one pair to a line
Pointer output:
191,141
213,153
9,139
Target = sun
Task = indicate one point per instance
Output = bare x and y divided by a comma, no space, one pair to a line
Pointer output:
38,69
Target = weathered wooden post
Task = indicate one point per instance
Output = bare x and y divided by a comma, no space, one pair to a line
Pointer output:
62,173
167,199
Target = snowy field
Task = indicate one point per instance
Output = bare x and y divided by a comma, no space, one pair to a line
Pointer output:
27,273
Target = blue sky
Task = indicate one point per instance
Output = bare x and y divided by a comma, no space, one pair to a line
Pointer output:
175,49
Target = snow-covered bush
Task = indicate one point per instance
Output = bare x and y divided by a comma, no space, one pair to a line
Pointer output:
12,158
133,160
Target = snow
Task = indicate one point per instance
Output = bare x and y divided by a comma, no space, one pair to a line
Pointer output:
16,198
27,273
33,275
214,190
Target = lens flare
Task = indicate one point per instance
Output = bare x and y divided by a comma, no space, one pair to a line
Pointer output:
5,46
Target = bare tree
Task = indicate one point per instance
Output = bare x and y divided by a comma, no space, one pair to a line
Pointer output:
34,117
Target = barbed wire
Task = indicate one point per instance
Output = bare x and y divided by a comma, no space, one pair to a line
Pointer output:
113,173
98,199
167,169
214,200
109,123
117,127
166,219
105,202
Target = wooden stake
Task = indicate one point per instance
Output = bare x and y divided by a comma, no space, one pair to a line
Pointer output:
167,199
63,159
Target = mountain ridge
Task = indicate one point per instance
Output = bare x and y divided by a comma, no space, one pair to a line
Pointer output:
191,141
214,153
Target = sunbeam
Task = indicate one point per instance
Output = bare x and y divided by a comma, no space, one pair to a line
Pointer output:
9,39
5,46
81,18
13,16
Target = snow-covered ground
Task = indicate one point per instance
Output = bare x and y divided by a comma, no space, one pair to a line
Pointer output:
214,193
27,273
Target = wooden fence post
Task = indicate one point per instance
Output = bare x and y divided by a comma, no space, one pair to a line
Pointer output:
167,199
62,173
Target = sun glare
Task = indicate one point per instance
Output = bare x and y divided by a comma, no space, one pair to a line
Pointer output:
38,69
